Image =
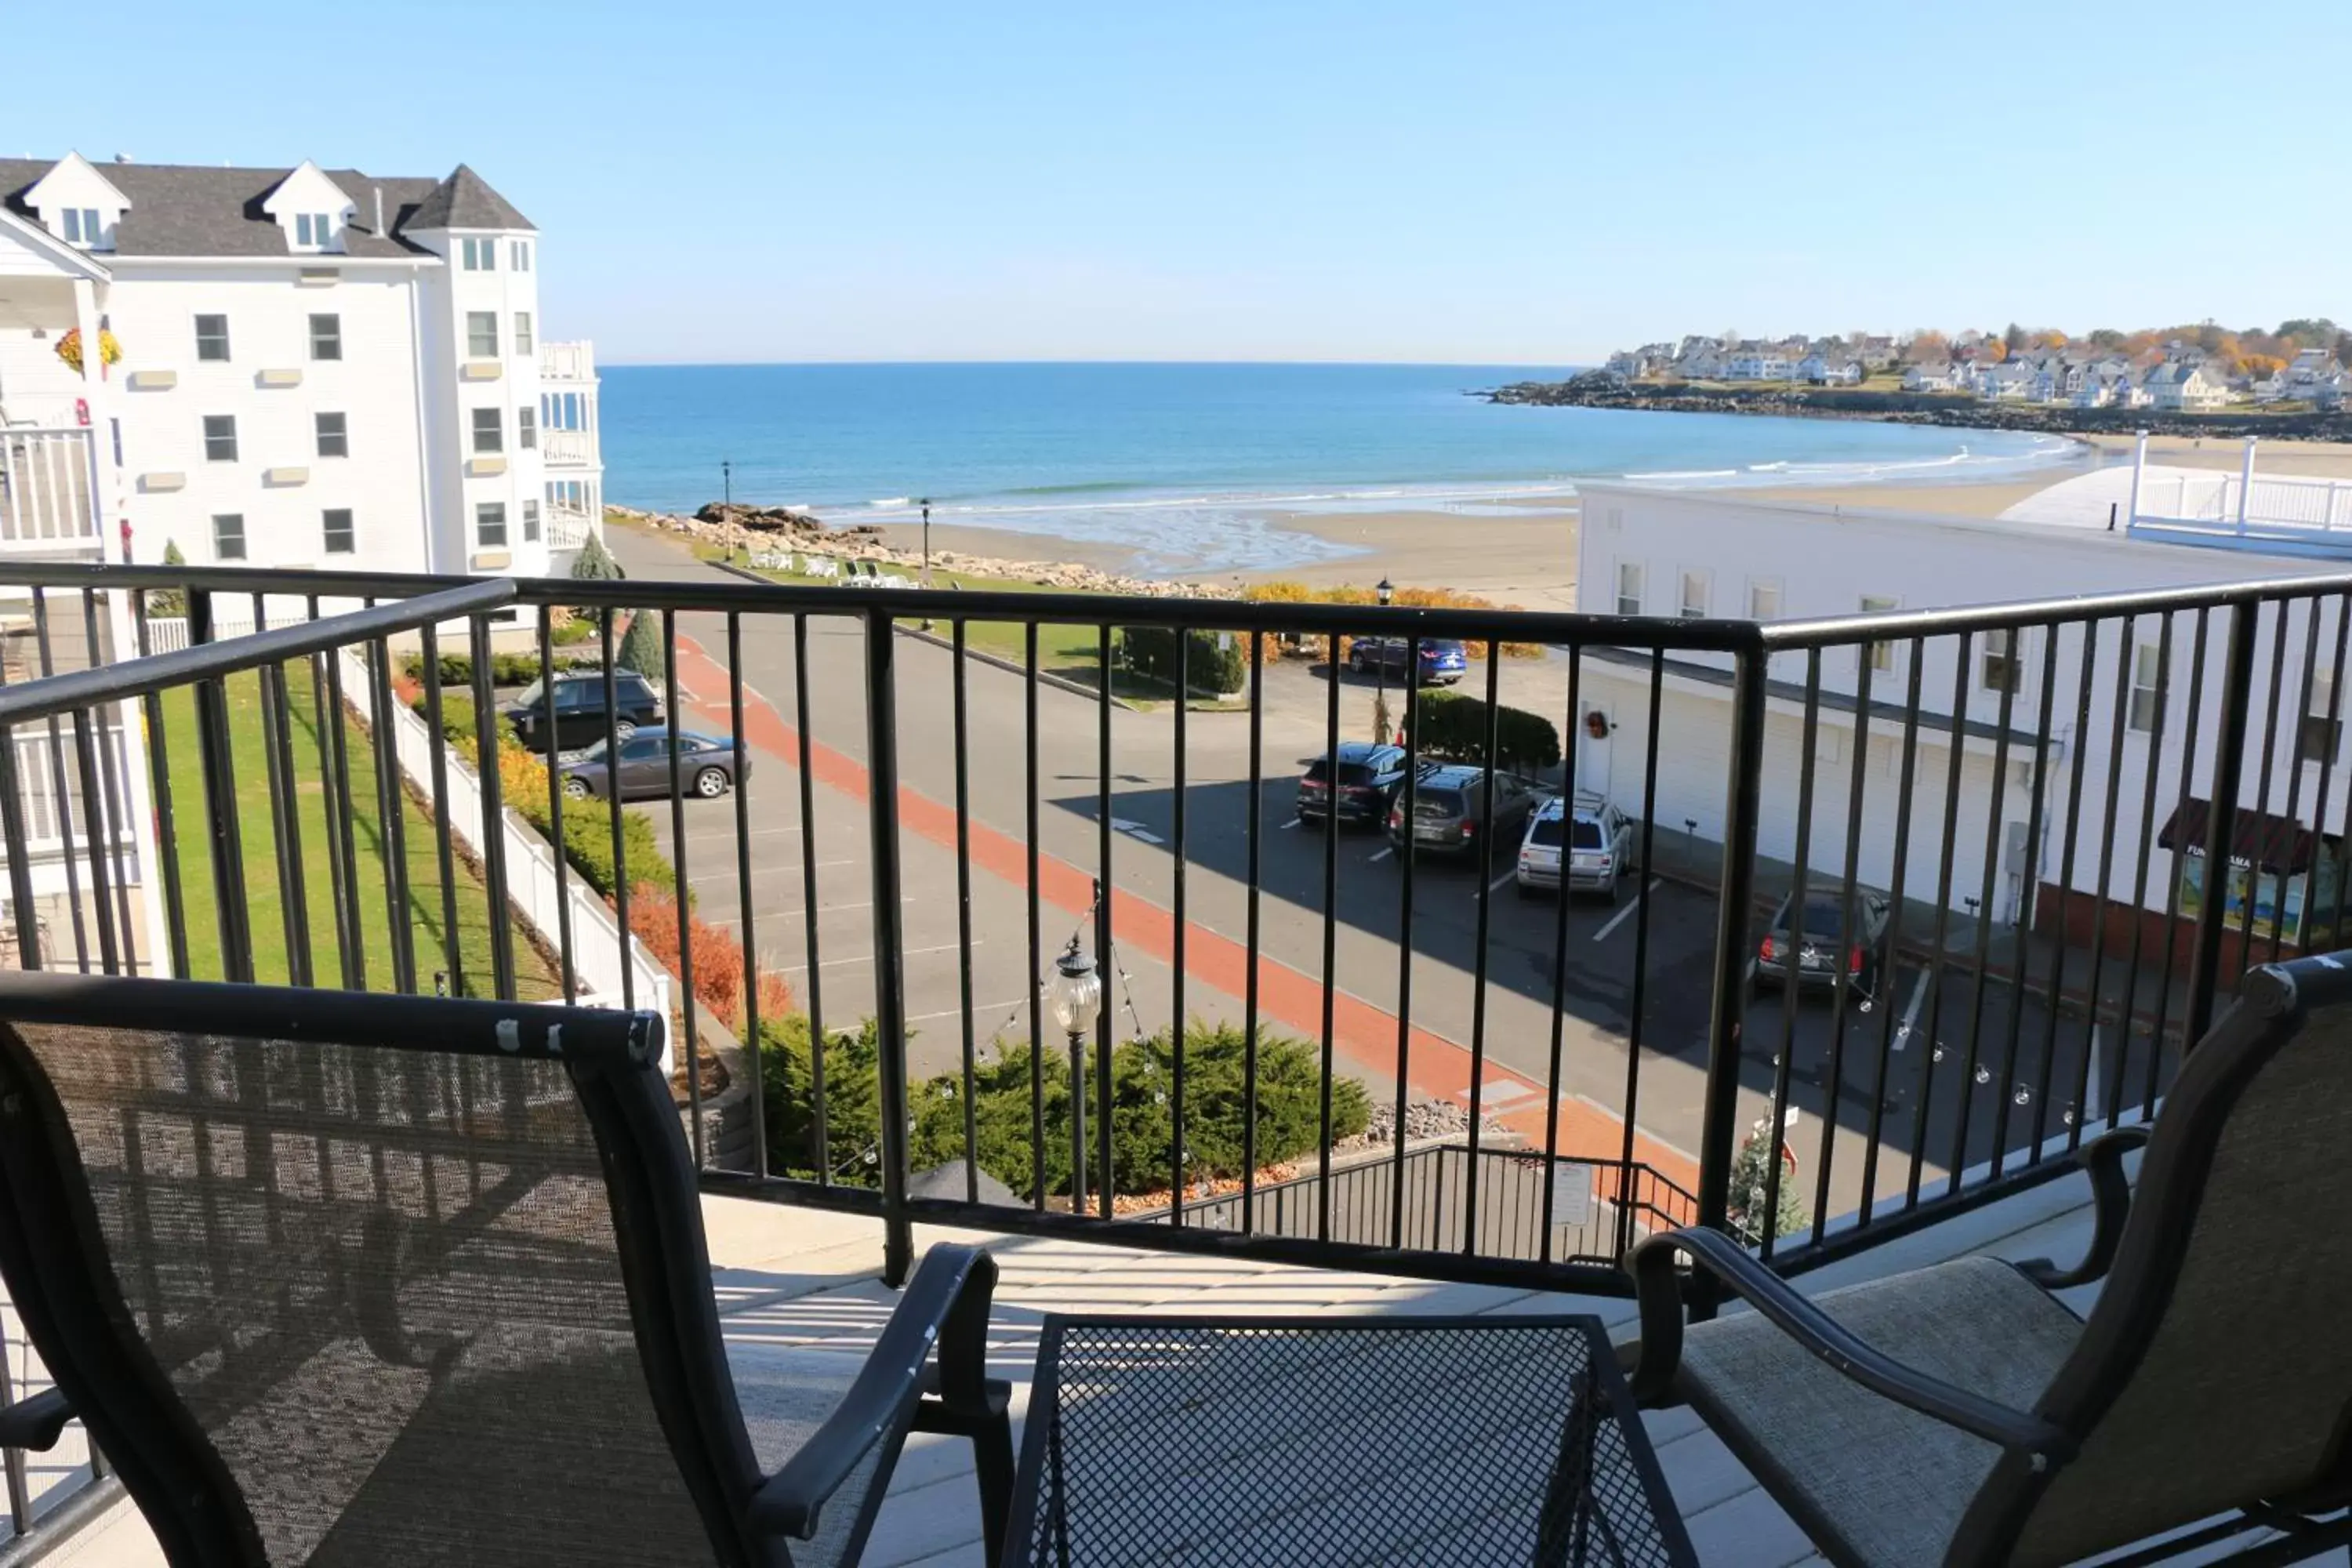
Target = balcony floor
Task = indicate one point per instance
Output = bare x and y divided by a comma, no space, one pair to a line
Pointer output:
802,1277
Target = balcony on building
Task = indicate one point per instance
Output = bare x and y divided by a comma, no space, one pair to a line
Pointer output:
568,450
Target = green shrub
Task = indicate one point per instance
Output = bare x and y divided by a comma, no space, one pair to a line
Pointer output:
573,632
1288,1107
1208,666
594,562
1452,725
506,668
641,646
458,722
169,601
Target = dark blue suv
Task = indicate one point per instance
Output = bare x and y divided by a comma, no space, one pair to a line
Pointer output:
1443,661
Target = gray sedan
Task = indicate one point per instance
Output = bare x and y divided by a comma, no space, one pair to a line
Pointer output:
708,767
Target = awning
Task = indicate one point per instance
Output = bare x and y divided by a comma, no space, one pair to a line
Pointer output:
2278,845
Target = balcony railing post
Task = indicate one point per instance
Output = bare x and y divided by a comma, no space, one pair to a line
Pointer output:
220,802
889,976
2231,721
1718,1130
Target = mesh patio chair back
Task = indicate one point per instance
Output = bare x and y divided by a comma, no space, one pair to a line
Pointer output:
2215,1371
346,1278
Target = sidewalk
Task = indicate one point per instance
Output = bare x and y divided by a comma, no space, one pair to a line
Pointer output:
2058,974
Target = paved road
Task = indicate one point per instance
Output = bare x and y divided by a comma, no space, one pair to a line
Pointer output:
1657,942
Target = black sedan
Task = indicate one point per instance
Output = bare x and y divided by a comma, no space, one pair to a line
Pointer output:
708,767
1826,954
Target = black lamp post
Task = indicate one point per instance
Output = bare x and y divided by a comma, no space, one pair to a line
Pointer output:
1076,992
726,478
1386,590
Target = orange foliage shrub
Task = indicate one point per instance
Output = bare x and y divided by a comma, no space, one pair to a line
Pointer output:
718,957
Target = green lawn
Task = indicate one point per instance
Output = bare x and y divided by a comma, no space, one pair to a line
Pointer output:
266,917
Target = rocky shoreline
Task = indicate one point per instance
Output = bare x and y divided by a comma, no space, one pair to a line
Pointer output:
751,528
1595,390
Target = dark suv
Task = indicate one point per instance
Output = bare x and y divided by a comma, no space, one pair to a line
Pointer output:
577,718
1370,777
1829,955
1443,661
1448,807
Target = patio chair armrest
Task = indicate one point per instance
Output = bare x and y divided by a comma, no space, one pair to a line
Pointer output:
36,1423
2111,1197
879,1403
1659,1291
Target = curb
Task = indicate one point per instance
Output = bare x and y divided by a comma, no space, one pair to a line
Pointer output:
1045,676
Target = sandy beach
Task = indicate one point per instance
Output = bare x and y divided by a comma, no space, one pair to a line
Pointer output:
1530,560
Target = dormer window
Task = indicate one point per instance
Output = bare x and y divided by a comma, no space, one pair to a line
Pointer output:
83,229
313,231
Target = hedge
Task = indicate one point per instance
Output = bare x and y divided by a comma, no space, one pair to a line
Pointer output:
1211,664
1452,725
506,668
1288,1108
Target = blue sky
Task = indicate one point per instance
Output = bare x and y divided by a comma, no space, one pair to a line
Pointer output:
1497,183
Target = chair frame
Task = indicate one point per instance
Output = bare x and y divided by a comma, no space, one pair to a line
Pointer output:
54,1261
2139,1245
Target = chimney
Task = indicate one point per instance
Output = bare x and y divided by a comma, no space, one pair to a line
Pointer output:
379,212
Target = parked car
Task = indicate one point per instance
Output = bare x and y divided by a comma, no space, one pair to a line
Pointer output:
576,716
708,767
1448,804
1370,774
1827,955
1598,840
1443,661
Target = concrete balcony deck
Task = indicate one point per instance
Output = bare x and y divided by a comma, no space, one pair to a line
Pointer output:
803,1277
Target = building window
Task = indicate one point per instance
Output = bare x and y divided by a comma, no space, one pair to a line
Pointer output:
326,337
212,338
522,333
1882,654
334,436
1764,599
478,255
490,525
313,229
519,256
527,428
340,537
83,226
489,435
2147,682
1697,590
531,522
228,536
220,438
2002,664
2322,724
481,334
1628,587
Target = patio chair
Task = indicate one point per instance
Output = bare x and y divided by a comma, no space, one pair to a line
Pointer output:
1960,1413
347,1278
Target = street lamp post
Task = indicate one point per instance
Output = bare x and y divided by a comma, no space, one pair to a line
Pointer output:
1386,590
1076,992
926,504
726,478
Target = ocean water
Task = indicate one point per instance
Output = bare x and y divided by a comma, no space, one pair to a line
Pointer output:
1192,464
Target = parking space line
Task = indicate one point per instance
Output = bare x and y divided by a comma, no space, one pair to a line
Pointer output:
868,958
1496,885
1614,921
1381,854
1292,823
978,1009
1911,1011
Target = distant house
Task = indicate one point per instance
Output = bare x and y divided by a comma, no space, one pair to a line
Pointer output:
1756,365
2104,384
1875,354
1820,369
2182,386
2012,381
1931,375
1699,359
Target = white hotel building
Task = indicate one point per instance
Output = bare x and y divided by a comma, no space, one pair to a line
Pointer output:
1692,553
317,369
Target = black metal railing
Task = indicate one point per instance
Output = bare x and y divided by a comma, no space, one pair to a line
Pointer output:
2006,813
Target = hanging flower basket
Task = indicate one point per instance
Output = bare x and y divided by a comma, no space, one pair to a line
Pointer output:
110,351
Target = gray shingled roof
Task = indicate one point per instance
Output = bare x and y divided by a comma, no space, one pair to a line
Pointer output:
182,209
465,200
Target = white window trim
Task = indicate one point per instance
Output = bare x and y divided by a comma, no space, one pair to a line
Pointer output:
2154,690
1884,657
1640,586
2014,652
1779,597
1682,593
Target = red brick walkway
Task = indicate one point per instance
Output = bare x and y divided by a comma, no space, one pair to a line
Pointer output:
1436,1067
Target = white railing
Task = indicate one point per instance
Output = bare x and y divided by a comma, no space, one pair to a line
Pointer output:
2267,509
37,775
567,529
568,449
567,362
49,494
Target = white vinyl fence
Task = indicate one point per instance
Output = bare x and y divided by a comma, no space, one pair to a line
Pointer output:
598,952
